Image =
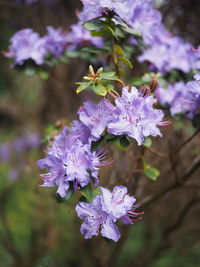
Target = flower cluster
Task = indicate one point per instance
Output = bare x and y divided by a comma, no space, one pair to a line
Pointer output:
132,115
135,116
71,163
166,52
29,45
106,208
181,97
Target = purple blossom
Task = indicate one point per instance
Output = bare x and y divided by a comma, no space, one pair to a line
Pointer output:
96,116
165,57
5,152
26,142
55,41
80,37
13,174
135,116
181,97
70,161
106,208
80,131
117,203
26,44
96,220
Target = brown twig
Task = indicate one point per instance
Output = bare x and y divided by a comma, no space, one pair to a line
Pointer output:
157,153
185,142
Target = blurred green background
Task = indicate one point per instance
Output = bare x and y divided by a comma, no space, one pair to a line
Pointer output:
38,231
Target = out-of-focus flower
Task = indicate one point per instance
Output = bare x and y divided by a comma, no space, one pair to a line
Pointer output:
26,142
26,44
101,215
135,116
96,116
13,174
55,41
167,56
79,37
5,152
181,97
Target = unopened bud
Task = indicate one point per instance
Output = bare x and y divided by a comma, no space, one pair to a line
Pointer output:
99,71
87,78
91,70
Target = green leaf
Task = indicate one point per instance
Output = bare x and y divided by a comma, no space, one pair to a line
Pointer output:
109,29
89,193
94,25
96,144
152,173
67,197
108,75
43,74
126,61
29,71
99,89
122,142
196,121
83,86
95,50
119,50
131,31
147,142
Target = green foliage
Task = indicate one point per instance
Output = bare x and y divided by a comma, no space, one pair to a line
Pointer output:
98,82
147,142
196,121
89,193
151,172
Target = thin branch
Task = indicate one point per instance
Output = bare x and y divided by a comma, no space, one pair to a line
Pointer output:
151,199
157,153
185,142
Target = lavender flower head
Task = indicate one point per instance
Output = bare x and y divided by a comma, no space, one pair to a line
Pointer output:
135,116
80,37
55,41
69,161
164,57
102,214
96,116
5,153
181,97
26,44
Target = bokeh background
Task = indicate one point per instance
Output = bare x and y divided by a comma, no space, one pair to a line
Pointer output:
36,230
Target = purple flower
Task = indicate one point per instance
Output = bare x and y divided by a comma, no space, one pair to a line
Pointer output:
26,44
69,161
96,116
106,208
117,203
197,77
181,97
26,142
55,41
80,37
4,152
135,116
168,56
96,220
80,131
13,174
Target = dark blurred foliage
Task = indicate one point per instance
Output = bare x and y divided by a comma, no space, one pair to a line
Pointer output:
36,230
